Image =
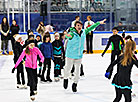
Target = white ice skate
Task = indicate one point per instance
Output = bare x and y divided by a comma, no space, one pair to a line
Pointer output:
32,97
24,86
35,92
56,79
133,95
19,86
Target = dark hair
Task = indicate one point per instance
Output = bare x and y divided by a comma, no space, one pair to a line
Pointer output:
123,34
77,17
115,28
27,51
61,34
128,37
3,22
78,22
28,31
14,20
120,22
46,35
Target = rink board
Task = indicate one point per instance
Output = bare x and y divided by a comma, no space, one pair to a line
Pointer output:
100,40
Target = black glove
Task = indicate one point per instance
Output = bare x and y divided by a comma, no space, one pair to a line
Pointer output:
102,54
40,64
13,70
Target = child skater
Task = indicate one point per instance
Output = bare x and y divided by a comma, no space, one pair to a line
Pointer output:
121,80
74,51
18,48
58,52
31,53
114,40
47,50
38,41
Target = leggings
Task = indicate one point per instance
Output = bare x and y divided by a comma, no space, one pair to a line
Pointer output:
119,92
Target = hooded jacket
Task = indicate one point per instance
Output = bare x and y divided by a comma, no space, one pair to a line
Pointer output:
75,45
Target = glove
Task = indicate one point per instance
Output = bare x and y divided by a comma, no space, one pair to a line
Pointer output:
102,54
107,74
40,64
135,52
13,70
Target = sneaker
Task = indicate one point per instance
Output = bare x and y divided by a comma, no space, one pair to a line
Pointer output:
56,79
32,97
5,52
74,87
24,86
35,92
65,83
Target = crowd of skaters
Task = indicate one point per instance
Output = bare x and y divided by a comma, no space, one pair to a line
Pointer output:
67,50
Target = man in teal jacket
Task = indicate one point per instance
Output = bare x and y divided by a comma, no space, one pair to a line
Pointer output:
74,51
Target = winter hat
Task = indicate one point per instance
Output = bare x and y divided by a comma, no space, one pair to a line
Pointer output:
17,37
57,34
38,35
30,41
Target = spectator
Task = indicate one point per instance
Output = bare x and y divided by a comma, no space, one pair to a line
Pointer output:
4,29
41,29
77,18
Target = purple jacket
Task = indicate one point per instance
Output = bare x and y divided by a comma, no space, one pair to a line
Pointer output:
31,59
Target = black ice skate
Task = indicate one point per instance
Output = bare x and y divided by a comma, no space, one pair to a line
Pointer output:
74,87
49,80
65,83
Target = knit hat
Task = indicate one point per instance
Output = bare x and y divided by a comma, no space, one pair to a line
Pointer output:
57,34
17,37
30,41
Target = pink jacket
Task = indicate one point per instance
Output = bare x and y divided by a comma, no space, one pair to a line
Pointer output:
31,60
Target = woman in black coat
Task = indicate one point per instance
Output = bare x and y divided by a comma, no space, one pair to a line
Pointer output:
4,29
14,30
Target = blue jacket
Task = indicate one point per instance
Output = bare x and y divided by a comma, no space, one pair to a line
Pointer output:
47,50
75,44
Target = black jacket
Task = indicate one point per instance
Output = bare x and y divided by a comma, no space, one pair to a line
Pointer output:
123,76
115,41
18,48
58,48
5,29
14,29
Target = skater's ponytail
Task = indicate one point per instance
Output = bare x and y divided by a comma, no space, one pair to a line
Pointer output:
27,51
128,54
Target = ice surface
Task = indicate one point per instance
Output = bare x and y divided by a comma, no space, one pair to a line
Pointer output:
93,88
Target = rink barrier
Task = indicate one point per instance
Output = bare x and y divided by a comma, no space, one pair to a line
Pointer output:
100,40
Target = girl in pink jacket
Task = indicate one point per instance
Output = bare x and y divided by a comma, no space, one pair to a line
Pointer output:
31,53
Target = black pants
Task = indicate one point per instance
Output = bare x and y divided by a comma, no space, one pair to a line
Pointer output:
32,74
57,66
47,62
81,70
20,71
119,92
12,42
89,42
4,44
113,55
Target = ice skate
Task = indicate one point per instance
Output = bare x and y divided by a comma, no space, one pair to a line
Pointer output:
32,97
56,79
35,92
74,87
24,86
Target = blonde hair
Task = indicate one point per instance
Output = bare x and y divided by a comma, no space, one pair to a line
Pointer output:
128,54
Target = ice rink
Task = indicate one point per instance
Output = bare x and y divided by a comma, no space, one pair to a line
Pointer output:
93,88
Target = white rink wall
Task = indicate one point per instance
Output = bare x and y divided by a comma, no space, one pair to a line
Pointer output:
99,39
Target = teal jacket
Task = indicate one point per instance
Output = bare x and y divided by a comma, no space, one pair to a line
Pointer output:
75,44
